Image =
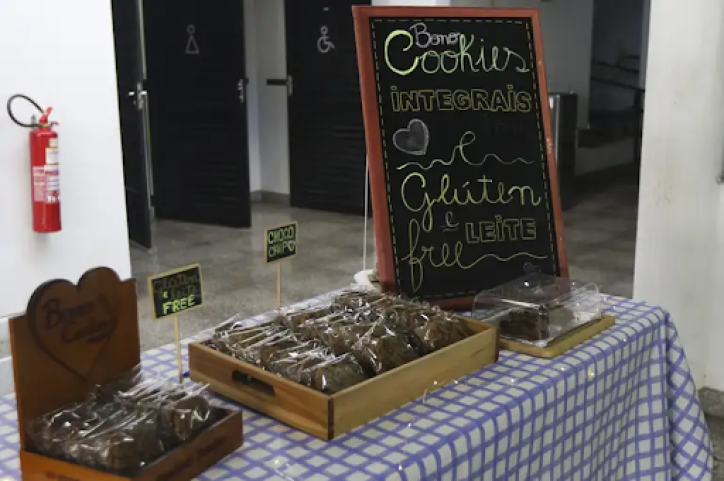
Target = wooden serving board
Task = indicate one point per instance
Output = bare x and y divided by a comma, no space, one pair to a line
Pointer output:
563,344
326,416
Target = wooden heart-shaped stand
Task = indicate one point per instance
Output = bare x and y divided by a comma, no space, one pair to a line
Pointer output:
72,338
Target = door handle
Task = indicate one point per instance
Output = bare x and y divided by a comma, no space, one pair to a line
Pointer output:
241,86
282,82
140,99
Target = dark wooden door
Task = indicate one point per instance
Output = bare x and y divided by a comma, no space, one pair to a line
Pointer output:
326,134
126,30
196,83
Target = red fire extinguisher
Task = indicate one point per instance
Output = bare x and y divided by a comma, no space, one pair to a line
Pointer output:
44,169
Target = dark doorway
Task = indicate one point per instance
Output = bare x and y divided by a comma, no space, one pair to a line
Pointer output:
326,132
131,106
197,83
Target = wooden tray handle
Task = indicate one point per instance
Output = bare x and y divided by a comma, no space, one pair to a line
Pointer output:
246,379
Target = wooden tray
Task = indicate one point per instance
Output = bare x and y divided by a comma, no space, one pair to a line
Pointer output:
563,344
75,337
326,416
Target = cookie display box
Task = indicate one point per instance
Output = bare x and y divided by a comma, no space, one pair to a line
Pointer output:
90,337
328,416
541,315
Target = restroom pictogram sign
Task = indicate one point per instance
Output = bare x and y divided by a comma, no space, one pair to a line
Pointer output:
192,48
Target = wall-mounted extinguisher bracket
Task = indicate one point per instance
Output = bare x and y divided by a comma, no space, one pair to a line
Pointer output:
44,168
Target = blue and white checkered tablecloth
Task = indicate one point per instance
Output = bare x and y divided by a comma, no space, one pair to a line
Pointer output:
621,406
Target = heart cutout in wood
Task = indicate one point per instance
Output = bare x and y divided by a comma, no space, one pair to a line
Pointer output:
74,324
413,139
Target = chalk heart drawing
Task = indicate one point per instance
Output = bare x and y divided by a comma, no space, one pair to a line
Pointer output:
529,268
72,325
413,139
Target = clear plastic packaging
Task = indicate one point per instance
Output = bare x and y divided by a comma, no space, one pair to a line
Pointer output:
381,350
270,360
296,366
380,331
186,416
123,382
336,374
253,353
231,341
355,299
122,430
341,338
312,328
538,309
292,318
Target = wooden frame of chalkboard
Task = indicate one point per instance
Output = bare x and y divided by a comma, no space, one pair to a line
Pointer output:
430,94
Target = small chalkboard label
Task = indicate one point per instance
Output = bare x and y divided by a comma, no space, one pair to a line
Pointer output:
463,180
281,242
175,291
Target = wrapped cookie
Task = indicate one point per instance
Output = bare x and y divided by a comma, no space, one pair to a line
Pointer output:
340,335
50,432
273,350
438,330
296,366
82,447
124,444
382,353
252,353
145,389
311,329
231,341
238,322
271,359
122,382
336,374
183,419
292,318
354,300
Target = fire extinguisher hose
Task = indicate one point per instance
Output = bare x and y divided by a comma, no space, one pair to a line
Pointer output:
33,102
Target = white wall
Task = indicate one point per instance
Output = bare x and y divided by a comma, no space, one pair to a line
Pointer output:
680,244
252,94
67,62
567,35
273,117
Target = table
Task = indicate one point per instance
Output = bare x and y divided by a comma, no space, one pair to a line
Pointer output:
621,406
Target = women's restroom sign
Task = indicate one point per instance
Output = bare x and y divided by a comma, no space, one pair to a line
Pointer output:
192,48
281,243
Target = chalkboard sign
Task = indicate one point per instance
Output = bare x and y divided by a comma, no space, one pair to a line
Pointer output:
175,291
281,242
464,187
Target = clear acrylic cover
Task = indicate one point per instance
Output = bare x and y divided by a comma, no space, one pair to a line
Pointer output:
538,309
